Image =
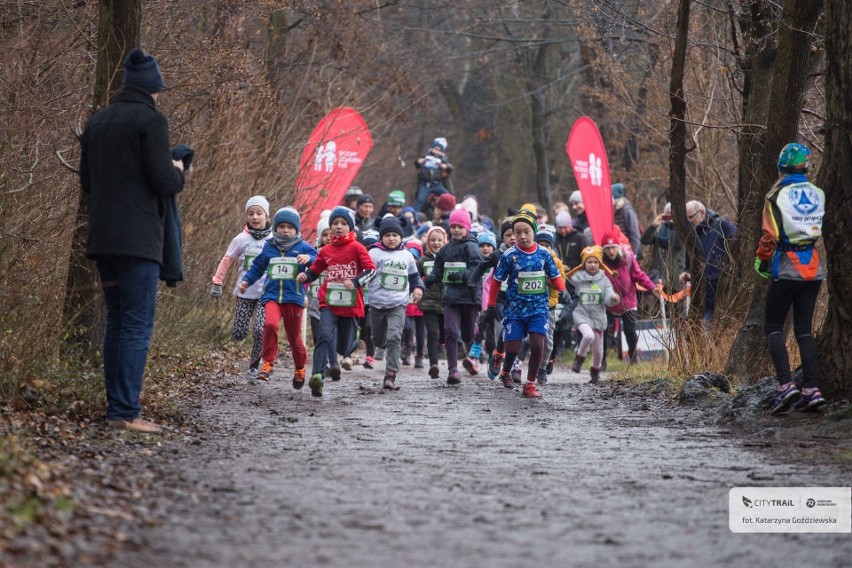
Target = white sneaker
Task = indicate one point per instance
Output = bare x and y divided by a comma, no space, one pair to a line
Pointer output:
346,363
252,375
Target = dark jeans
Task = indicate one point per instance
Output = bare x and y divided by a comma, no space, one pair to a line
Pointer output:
802,296
130,291
710,301
424,189
333,332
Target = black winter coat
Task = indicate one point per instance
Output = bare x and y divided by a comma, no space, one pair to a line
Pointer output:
126,168
467,251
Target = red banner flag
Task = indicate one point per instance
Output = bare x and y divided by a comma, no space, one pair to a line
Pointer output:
587,153
333,155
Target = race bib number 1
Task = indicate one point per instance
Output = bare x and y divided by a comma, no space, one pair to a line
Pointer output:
531,282
283,269
339,296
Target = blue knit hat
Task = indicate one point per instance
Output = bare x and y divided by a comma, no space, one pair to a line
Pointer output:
546,236
344,212
288,215
617,190
369,237
141,71
487,238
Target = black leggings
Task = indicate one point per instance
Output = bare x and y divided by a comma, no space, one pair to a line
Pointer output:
802,296
628,328
434,334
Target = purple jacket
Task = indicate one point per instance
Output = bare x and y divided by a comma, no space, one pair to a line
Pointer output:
627,275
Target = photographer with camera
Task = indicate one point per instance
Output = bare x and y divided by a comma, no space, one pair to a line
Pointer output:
668,254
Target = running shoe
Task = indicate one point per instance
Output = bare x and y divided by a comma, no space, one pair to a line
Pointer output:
595,375
578,364
368,362
475,351
471,365
265,372
389,382
811,399
418,362
495,362
530,391
299,378
453,378
785,395
334,372
506,379
346,363
316,385
434,372
542,377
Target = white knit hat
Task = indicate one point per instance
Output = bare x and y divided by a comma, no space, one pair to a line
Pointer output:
260,201
575,197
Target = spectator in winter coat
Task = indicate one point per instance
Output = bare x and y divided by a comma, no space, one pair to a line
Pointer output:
433,170
127,169
578,211
569,244
714,232
667,253
625,217
364,218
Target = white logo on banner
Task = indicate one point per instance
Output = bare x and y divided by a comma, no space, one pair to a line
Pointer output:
327,158
595,170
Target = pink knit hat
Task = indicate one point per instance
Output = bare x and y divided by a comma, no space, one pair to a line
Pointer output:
460,217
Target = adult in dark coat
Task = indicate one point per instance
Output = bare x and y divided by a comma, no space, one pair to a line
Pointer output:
127,169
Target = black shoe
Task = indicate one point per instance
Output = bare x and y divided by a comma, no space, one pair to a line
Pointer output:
334,373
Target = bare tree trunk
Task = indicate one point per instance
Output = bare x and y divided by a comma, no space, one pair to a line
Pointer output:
539,77
677,159
119,30
835,178
789,78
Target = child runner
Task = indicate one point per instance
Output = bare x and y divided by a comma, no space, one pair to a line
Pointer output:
396,277
546,237
368,239
243,249
283,257
526,268
323,235
596,293
349,267
414,334
432,303
487,328
619,258
454,267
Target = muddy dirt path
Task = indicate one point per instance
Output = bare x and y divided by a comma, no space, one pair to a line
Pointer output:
469,476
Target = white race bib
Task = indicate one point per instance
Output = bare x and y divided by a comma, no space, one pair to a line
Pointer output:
532,282
393,279
282,268
339,296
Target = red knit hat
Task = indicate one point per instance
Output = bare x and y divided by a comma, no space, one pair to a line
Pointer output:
446,202
609,239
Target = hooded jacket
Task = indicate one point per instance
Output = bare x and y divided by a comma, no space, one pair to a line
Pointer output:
433,295
595,294
464,252
627,275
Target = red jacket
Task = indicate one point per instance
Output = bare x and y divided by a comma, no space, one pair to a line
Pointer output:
344,261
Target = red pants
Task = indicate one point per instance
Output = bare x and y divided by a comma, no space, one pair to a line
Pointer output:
292,315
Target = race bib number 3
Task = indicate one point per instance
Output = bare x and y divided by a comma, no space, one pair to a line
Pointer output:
338,296
283,269
532,282
452,267
394,279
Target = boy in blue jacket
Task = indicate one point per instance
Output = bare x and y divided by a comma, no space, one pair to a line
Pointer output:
282,259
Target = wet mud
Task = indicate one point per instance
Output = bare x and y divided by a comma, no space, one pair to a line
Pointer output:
475,475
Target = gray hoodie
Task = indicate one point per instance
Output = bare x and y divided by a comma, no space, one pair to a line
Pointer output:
396,277
596,294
